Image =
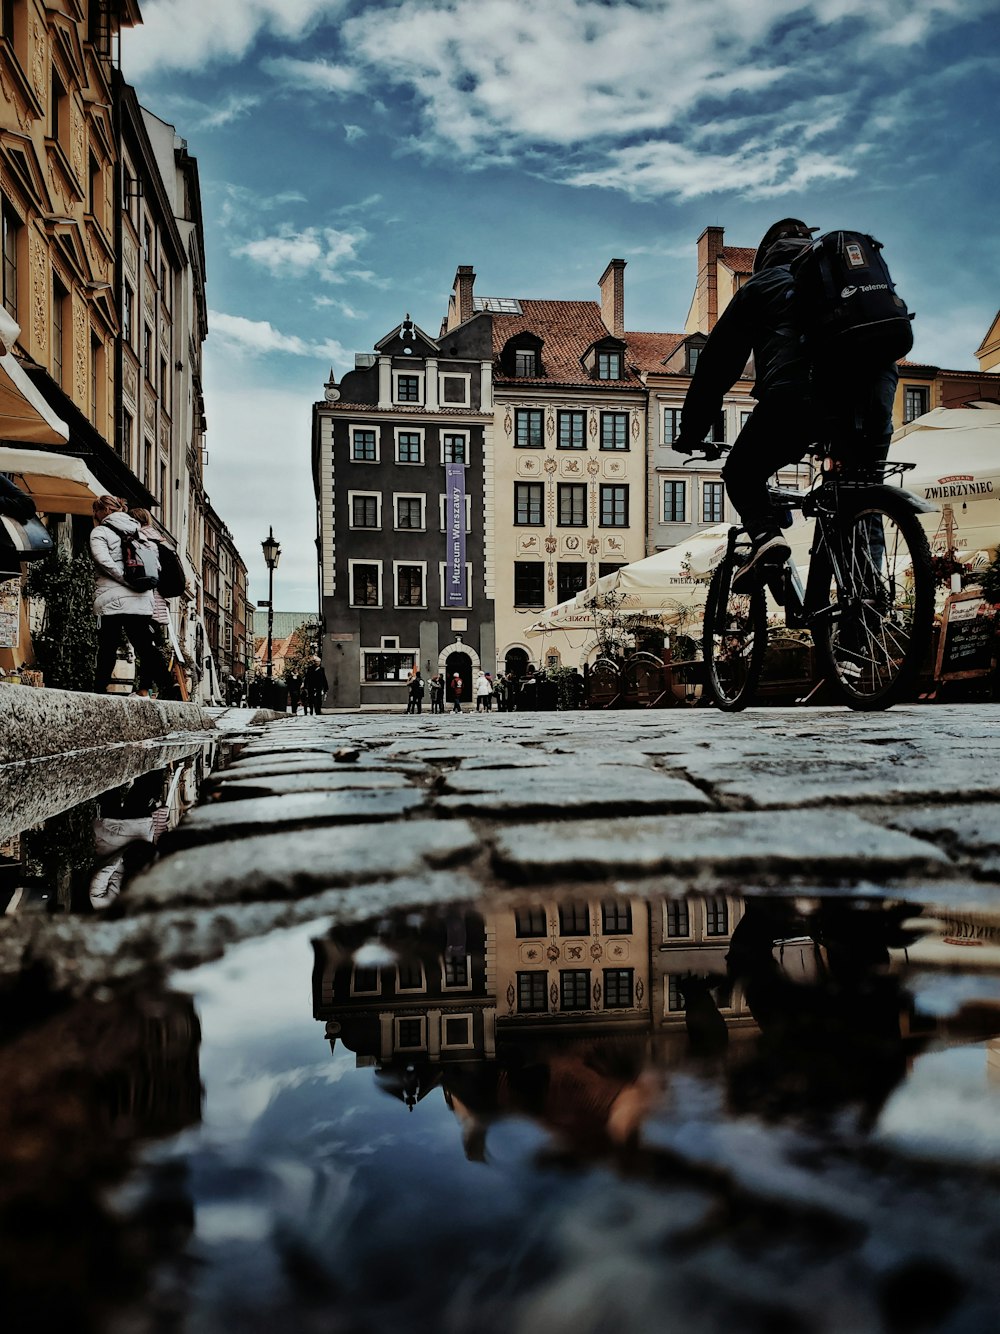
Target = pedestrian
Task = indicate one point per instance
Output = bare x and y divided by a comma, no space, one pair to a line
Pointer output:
437,694
314,685
455,688
500,692
484,693
415,703
161,610
512,690
122,609
294,684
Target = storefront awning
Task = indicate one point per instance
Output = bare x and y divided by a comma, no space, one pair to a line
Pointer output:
57,483
24,413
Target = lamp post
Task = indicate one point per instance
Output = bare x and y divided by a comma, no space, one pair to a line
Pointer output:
272,552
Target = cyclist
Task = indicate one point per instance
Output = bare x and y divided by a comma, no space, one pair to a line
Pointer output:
760,319
797,401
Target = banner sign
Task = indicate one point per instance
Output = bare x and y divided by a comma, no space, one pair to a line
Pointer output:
455,592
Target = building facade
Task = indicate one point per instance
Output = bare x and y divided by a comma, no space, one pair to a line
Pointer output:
400,459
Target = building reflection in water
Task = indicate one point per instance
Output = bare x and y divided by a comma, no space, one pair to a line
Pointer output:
576,1012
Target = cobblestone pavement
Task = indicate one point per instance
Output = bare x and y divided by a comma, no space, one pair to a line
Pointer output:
830,1168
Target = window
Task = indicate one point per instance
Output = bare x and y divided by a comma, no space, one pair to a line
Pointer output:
717,434
572,430
147,463
456,1031
609,365
671,425
363,449
675,998
95,377
365,511
409,1034
525,363
410,512
711,502
443,585
59,295
916,401
532,993
364,981
571,577
163,378
617,988
574,989
409,975
608,567
614,506
529,583
693,353
456,971
408,447
366,584
409,586
147,242
674,502
128,426
7,20
11,227
147,352
454,448
616,917
678,919
572,504
442,502
128,313
530,922
614,430
529,503
57,107
574,919
528,428
95,190
744,418
455,390
716,917
388,666
408,389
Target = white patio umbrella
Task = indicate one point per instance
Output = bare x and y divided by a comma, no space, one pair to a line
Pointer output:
957,457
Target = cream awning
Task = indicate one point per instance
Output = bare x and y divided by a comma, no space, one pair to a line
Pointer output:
57,483
24,413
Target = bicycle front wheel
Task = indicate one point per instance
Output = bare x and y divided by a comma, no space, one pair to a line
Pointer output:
872,637
734,639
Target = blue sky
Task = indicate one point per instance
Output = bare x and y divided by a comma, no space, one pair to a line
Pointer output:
354,152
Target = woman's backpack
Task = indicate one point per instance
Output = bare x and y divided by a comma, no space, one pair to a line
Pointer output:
140,561
846,302
171,582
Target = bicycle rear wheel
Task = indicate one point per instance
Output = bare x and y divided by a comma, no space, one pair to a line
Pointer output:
734,639
873,637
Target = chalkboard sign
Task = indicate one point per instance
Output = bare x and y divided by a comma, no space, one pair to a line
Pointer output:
967,646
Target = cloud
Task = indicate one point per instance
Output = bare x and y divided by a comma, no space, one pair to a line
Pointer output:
260,338
352,133
313,75
195,34
317,251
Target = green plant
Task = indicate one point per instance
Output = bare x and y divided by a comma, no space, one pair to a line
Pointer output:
66,645
619,632
304,642
567,685
989,582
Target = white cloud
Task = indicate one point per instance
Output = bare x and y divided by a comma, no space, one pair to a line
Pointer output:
317,75
194,34
260,338
318,251
352,133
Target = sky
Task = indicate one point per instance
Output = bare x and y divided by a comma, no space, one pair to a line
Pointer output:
353,153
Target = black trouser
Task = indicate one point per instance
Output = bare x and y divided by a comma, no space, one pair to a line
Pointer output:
150,667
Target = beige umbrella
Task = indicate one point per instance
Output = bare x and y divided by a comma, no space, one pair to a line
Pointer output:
957,457
24,413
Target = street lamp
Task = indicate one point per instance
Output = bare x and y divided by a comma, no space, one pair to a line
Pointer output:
272,552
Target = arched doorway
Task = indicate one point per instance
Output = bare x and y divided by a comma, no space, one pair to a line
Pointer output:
516,662
458,661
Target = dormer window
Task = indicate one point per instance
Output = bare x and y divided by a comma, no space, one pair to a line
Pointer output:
692,353
609,365
525,362
521,357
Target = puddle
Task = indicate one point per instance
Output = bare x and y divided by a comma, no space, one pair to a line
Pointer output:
693,1114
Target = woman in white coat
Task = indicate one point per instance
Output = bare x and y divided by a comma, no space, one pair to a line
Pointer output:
121,607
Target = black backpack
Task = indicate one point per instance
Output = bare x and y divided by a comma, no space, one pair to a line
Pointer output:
171,582
847,304
141,562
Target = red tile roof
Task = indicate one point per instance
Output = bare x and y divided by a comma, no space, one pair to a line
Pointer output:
649,351
738,258
568,328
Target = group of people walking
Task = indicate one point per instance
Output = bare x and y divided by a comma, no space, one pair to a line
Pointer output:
501,690
309,688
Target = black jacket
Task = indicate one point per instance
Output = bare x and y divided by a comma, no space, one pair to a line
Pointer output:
759,319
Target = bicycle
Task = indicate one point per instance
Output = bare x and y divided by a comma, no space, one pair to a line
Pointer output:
868,600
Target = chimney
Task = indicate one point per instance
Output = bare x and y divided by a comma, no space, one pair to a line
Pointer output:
707,291
612,287
460,303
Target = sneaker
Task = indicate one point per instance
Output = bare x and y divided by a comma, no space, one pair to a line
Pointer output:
769,549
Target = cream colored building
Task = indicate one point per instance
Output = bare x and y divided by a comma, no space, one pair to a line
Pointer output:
565,487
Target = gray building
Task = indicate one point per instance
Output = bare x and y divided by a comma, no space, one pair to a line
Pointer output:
400,532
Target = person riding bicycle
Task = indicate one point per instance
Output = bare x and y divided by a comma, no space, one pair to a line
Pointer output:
797,401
